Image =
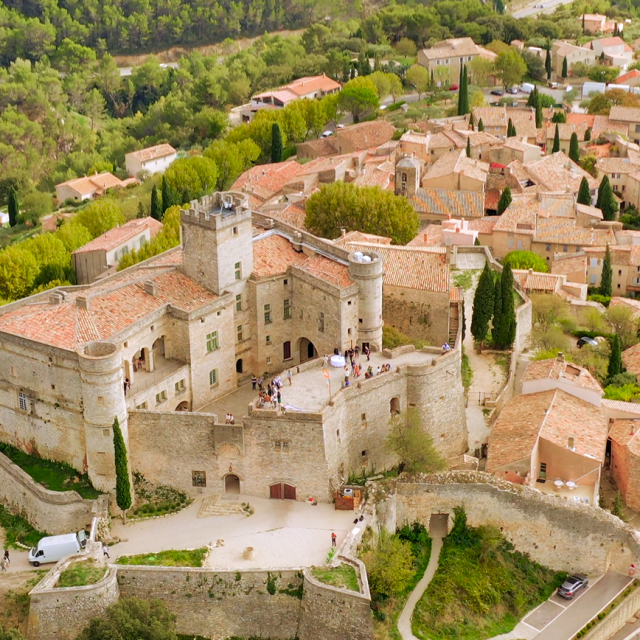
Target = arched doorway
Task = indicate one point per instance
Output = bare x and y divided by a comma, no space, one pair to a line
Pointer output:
183,406
231,483
307,350
158,347
239,365
394,405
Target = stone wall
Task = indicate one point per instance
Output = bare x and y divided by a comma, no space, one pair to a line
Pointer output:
546,527
52,512
616,619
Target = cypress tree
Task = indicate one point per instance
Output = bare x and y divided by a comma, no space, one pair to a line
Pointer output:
141,212
584,195
606,286
574,148
583,23
123,484
547,64
482,305
505,332
565,69
432,82
13,207
538,116
167,195
480,125
615,359
509,128
497,306
556,141
608,204
472,121
533,99
156,206
463,92
276,143
468,147
587,134
505,200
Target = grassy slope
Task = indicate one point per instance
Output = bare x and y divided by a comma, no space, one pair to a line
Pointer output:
172,558
80,574
343,576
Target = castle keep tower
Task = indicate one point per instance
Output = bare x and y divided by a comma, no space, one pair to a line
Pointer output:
217,241
103,400
365,269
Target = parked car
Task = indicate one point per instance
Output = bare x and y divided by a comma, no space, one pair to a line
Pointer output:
586,340
527,87
497,92
54,548
327,134
514,89
453,87
572,585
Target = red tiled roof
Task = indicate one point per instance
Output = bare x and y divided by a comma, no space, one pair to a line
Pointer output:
631,359
328,270
556,369
119,235
625,77
265,180
273,255
151,153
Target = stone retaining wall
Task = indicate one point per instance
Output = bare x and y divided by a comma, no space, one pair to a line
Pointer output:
616,619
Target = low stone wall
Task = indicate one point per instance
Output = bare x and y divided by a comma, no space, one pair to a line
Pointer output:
616,619
544,526
52,512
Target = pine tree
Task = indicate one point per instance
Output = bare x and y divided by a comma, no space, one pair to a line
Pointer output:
538,116
615,358
123,484
547,64
276,143
13,207
565,69
480,125
167,195
505,200
156,206
608,204
574,148
482,305
468,147
141,212
584,195
556,141
606,286
472,121
587,134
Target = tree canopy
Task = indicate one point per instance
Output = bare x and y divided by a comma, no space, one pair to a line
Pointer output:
482,305
526,260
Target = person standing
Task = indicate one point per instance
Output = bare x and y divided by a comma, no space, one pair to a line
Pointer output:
279,399
254,382
105,550
6,557
334,539
290,377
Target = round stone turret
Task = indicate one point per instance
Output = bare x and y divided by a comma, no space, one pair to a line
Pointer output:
365,269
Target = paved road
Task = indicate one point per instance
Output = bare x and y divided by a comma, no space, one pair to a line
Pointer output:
549,7
595,599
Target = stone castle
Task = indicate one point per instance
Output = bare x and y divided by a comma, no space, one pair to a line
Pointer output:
165,345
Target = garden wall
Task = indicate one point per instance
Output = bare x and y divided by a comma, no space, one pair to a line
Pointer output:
616,619
49,511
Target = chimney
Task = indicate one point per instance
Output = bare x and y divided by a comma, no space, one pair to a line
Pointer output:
82,302
560,356
571,443
530,272
150,287
57,297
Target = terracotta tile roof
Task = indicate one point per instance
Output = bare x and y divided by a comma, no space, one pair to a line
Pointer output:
631,359
264,180
152,153
411,267
293,215
605,124
625,77
321,147
457,294
119,235
535,281
459,204
566,130
273,255
592,212
491,116
634,305
625,114
483,225
491,199
566,231
456,47
556,172
442,141
552,415
581,118
328,270
457,162
302,87
624,431
614,41
556,369
526,212
366,134
92,184
617,165
618,405
359,236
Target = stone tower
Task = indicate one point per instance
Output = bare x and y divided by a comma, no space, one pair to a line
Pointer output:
102,400
407,176
365,269
217,241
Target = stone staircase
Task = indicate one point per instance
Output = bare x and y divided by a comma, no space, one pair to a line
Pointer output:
453,330
216,505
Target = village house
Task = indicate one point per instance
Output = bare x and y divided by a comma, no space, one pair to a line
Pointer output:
454,171
565,131
629,79
629,119
597,23
614,52
561,51
452,54
150,160
89,187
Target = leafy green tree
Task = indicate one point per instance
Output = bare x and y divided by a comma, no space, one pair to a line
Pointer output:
10,634
607,275
413,445
418,77
615,358
358,97
504,333
608,204
73,235
574,148
468,147
463,93
13,207
526,260
482,305
547,64
382,83
602,73
556,141
36,204
395,86
511,68
100,216
565,70
123,482
156,206
18,272
505,200
389,566
584,194
276,143
234,159
133,619
344,205
196,175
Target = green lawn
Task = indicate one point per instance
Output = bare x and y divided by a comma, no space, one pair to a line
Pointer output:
17,529
82,573
172,558
482,587
56,476
343,576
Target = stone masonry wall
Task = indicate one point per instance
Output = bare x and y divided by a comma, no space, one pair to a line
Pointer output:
221,604
52,512
545,527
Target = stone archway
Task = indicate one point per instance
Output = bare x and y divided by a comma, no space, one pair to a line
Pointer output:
232,483
308,350
183,406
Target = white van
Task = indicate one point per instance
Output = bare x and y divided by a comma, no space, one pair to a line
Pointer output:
54,548
527,87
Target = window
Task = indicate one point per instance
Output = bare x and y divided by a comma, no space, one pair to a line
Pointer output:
321,322
520,245
269,360
619,272
125,251
548,247
23,402
161,397
179,386
510,243
594,262
285,282
142,407
578,249
286,350
287,308
592,279
212,341
338,435
143,241
239,302
235,231
268,339
238,270
239,332
565,247
213,377
278,445
543,470
281,446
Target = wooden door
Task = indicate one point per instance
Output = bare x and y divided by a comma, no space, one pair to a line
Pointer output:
289,492
275,491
